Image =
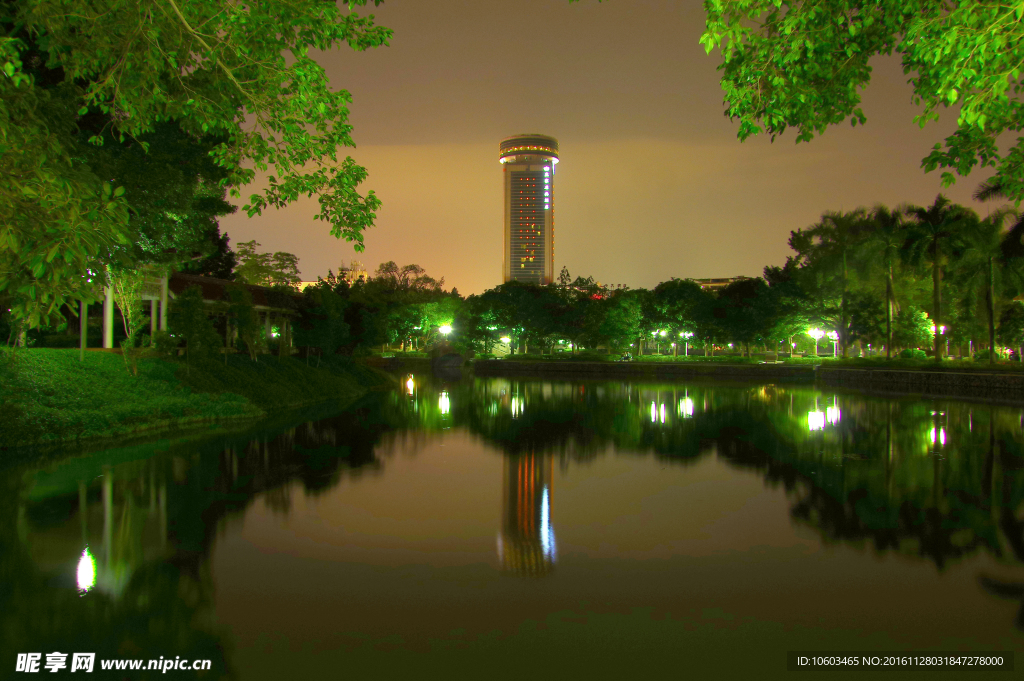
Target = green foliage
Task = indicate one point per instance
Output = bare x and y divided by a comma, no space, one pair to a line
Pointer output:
1011,325
323,321
188,320
57,220
682,305
171,185
623,320
127,289
913,353
178,104
266,269
802,65
242,314
51,396
164,343
912,328
241,71
220,262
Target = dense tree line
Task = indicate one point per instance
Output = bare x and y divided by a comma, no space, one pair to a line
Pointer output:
888,279
884,278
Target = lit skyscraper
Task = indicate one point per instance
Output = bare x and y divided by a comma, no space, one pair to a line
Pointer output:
528,163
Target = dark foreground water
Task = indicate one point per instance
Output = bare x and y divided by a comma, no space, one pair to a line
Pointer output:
494,528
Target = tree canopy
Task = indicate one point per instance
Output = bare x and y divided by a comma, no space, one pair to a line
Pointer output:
801,64
237,77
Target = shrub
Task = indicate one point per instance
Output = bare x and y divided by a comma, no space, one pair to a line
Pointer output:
913,353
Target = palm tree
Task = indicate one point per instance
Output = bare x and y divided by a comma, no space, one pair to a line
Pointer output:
932,229
888,232
1004,248
981,263
830,245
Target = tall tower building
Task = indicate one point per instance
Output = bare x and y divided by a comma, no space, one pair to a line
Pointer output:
528,163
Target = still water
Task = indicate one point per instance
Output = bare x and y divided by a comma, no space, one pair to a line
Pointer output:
471,527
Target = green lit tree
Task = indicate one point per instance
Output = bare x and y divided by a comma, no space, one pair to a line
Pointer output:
188,320
239,73
932,235
802,65
266,269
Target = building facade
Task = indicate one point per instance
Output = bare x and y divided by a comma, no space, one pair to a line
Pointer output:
717,284
528,164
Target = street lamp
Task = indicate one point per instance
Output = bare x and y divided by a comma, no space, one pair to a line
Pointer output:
686,335
445,329
816,334
834,337
942,331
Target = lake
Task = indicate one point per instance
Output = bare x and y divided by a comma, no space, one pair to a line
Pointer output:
470,527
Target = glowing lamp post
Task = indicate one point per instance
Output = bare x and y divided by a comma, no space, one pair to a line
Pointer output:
686,336
816,334
834,337
942,331
445,329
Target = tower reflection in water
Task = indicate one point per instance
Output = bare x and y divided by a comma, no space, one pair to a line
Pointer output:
526,543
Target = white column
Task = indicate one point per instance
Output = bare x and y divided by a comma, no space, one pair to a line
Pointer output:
108,317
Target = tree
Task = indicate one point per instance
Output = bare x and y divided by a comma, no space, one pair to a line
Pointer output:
239,72
682,305
744,311
323,321
391,278
940,225
1011,328
265,269
982,268
885,238
187,319
242,314
623,319
829,246
220,262
802,64
571,312
911,327
564,278
793,307
171,184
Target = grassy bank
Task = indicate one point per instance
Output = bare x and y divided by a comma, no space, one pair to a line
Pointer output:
48,396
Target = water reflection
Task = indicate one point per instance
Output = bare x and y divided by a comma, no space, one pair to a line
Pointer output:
124,537
526,544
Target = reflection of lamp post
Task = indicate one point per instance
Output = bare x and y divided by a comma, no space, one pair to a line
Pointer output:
816,334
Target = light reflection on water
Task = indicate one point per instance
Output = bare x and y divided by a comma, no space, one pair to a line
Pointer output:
689,517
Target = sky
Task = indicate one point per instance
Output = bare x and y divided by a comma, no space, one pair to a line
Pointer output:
652,181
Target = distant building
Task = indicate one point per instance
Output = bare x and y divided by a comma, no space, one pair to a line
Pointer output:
353,273
528,164
717,284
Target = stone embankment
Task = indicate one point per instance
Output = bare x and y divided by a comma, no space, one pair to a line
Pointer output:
993,385
764,372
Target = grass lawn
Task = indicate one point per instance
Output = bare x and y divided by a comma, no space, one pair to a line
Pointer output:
47,395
